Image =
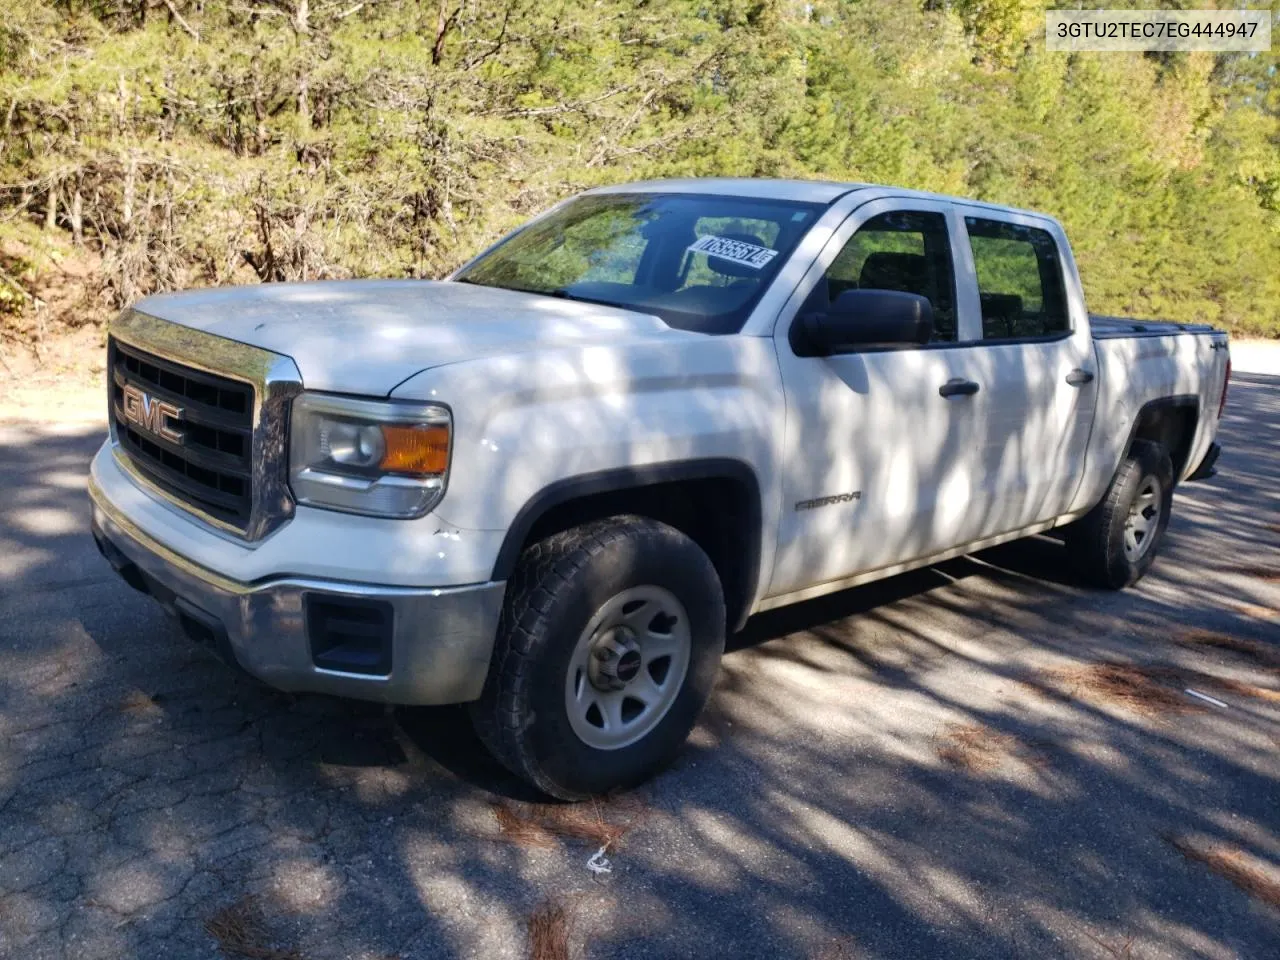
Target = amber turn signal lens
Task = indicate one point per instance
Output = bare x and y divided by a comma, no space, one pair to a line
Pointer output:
416,450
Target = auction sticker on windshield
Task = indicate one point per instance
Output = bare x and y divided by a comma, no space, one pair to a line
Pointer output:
747,254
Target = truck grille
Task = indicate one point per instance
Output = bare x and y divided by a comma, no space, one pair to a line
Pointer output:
206,461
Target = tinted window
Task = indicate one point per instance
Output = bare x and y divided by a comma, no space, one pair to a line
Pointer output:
1019,280
699,262
907,251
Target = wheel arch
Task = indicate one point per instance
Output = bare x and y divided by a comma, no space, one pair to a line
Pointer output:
716,502
1171,422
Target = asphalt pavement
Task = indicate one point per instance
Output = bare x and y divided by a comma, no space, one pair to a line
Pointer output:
977,760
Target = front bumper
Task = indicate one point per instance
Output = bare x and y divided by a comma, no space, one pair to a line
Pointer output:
397,645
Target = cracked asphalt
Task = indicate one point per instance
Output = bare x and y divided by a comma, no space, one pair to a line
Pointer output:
911,769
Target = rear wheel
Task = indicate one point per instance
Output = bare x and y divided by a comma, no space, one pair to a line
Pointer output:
609,644
1115,543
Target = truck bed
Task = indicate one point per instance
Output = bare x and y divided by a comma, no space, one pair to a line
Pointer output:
1178,367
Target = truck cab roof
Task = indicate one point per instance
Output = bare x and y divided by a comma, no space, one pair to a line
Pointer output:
811,191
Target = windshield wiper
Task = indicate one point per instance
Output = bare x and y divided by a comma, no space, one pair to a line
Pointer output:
560,293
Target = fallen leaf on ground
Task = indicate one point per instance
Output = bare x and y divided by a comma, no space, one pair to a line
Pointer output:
549,933
1145,690
1266,574
241,931
974,746
137,702
1232,864
1264,653
602,823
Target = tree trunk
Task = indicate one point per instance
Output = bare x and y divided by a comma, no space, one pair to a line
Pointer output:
301,16
259,121
443,23
128,263
130,197
304,105
51,208
77,216
122,120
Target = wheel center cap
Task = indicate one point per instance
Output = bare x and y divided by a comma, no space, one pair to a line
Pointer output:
628,666
615,659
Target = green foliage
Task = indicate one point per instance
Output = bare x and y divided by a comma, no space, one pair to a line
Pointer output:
194,142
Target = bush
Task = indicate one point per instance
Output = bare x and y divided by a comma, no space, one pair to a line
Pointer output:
194,143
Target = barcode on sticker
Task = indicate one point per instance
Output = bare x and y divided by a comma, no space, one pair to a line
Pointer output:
747,254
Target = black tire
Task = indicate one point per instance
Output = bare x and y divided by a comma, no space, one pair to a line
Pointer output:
558,586
1096,542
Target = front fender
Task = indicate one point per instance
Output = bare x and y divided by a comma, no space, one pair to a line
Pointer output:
526,423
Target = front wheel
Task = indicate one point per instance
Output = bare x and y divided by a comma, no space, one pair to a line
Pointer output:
608,646
1115,543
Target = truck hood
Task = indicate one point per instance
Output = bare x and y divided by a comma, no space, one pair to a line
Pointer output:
367,336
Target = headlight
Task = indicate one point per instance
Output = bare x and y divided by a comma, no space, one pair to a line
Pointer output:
367,456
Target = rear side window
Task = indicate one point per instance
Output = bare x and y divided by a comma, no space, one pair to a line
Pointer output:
908,251
1019,280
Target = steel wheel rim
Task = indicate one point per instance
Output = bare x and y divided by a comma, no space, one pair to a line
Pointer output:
1144,518
609,706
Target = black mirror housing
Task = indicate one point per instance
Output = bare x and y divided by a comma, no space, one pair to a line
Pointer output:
865,319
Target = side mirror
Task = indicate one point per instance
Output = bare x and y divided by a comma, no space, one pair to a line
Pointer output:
865,319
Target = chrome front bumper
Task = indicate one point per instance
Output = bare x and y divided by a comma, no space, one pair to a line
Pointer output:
437,642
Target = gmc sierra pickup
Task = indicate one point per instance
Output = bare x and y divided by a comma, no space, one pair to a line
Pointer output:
550,484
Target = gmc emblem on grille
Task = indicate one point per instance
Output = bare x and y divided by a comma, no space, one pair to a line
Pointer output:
152,415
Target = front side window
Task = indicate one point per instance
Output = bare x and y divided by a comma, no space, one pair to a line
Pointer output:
700,262
906,250
1019,280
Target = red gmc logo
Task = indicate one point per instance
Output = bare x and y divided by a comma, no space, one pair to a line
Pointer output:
152,415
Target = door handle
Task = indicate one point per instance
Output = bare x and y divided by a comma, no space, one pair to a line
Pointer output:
1079,377
958,388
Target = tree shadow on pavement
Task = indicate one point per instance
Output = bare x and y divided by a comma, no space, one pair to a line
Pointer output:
818,811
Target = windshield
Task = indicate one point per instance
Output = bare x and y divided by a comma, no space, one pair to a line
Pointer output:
699,262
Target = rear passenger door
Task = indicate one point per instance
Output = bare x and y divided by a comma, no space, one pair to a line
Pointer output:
1036,366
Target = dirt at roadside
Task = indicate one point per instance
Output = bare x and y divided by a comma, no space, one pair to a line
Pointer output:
63,382
53,312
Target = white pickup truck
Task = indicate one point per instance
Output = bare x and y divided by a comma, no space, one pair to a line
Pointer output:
550,484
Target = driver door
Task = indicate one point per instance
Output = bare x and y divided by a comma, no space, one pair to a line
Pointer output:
880,448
